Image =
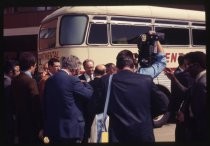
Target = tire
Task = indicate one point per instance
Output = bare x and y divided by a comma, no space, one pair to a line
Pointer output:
159,121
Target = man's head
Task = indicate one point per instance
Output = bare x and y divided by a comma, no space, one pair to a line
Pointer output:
111,68
181,61
45,67
125,59
195,62
100,70
27,62
72,64
11,68
88,65
78,63
54,65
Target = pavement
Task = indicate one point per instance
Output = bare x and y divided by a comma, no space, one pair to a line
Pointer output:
165,134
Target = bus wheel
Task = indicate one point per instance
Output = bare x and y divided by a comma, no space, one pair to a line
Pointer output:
160,120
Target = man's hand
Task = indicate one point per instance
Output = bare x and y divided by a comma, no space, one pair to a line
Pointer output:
169,73
180,116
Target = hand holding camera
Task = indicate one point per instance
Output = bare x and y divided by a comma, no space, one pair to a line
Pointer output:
147,47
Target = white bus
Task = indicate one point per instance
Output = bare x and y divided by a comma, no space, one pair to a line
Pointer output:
100,32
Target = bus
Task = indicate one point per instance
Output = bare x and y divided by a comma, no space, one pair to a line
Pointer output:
100,32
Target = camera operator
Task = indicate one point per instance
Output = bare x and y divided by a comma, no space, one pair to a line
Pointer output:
158,65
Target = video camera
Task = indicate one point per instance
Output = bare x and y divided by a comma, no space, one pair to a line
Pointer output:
147,47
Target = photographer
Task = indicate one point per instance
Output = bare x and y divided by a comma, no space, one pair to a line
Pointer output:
159,61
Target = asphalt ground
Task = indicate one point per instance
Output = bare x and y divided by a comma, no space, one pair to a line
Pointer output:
165,133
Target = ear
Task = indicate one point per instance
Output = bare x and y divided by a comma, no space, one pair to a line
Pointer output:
10,73
33,66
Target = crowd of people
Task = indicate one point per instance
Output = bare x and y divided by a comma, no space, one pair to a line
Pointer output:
191,93
61,104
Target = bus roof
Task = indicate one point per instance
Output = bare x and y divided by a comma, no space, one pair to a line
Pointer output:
135,11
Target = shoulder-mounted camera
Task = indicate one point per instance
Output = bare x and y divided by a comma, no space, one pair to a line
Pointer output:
147,48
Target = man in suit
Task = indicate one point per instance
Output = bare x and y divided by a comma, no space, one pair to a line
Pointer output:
11,69
134,101
100,71
176,93
53,67
27,104
92,106
178,96
193,111
196,113
64,98
88,66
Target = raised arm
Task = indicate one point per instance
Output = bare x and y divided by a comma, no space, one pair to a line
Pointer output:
158,66
169,73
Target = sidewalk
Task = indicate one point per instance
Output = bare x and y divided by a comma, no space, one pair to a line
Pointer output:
165,134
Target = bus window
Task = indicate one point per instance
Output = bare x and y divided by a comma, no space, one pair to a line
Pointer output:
125,19
174,36
127,34
98,34
199,37
72,29
47,35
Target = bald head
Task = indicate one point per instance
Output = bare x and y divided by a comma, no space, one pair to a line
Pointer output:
100,70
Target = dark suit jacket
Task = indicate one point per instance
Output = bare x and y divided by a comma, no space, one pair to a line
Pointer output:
27,107
197,101
41,85
63,106
134,100
9,111
177,94
92,106
82,77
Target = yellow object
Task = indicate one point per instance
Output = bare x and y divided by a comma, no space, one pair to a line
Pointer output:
104,137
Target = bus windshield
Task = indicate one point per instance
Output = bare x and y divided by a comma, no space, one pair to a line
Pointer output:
72,29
